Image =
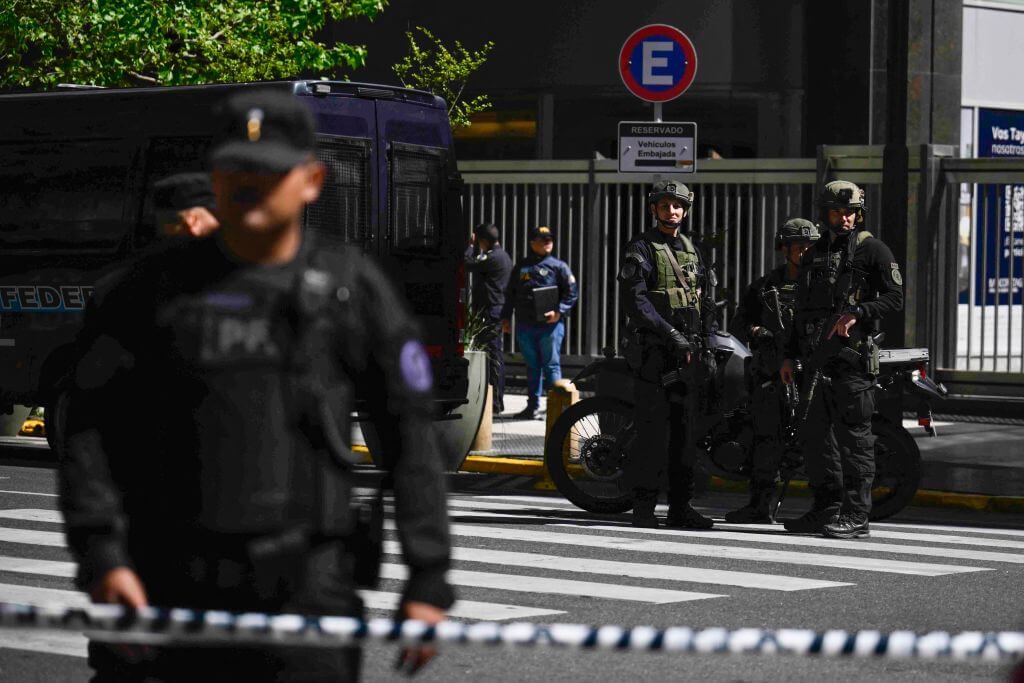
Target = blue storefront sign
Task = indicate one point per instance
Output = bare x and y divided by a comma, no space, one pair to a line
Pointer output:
999,214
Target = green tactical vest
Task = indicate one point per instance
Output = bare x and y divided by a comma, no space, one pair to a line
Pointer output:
670,295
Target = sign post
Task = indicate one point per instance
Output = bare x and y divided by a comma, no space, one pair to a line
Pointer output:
657,63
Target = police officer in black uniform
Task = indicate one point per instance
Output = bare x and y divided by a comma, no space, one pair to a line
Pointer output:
764,320
491,267
848,282
665,287
224,479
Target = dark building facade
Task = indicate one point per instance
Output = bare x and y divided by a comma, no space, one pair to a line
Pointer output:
774,78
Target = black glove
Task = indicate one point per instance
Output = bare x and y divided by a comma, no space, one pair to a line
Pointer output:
763,334
679,343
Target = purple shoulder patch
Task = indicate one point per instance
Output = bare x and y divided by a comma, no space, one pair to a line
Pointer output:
415,364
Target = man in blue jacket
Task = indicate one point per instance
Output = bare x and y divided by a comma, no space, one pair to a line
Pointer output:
539,334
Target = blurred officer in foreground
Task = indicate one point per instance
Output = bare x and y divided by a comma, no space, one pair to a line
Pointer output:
539,333
224,480
764,321
183,205
848,282
664,288
491,267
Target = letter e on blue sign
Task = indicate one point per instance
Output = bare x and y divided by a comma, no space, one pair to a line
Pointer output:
658,63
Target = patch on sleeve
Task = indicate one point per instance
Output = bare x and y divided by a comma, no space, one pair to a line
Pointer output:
416,371
629,270
896,277
572,279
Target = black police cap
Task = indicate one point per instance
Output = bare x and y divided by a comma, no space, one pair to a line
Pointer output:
183,191
263,131
542,232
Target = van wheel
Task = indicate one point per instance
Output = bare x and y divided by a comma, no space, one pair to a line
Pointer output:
55,416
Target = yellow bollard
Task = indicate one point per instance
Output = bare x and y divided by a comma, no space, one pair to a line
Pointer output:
483,441
562,395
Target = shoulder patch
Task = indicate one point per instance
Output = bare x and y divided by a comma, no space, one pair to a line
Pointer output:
896,277
415,366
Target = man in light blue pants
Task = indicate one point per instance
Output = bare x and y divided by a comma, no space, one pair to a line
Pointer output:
539,334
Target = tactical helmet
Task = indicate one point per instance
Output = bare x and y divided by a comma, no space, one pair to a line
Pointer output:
670,188
841,194
796,230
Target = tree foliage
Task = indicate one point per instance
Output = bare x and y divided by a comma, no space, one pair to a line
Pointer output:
431,66
123,43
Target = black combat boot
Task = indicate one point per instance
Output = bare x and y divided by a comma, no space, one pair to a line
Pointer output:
643,509
825,510
848,526
686,517
757,510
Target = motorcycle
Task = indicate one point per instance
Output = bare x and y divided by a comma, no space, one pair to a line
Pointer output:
589,444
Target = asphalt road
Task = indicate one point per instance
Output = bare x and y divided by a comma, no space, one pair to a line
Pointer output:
521,556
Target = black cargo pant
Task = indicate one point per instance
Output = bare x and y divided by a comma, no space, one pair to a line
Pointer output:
496,360
768,417
659,451
318,581
838,445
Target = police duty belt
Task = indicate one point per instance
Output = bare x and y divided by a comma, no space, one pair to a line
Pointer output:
169,627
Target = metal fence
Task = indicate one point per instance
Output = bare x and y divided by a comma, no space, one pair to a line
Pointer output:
989,225
964,238
594,211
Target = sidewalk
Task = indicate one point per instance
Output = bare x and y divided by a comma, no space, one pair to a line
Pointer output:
966,457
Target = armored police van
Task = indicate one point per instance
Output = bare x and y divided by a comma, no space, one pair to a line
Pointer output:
77,170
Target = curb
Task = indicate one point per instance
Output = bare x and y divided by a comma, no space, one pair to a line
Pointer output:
482,464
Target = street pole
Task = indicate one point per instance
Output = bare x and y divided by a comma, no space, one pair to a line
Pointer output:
657,112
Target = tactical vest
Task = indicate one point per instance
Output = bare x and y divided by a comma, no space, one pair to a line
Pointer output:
670,295
278,358
778,310
827,279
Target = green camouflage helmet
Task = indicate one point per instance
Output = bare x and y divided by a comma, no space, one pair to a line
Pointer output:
670,188
841,194
796,230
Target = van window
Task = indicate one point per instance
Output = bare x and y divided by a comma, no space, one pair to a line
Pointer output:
343,210
64,195
417,175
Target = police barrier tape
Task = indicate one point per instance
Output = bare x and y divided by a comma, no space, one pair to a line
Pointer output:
182,626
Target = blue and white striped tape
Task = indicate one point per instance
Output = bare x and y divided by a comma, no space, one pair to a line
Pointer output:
179,626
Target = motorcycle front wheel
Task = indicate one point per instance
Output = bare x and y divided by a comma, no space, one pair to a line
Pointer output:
586,451
897,469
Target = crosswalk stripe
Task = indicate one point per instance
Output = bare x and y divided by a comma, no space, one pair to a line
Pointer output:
903,535
958,529
32,537
588,565
33,515
462,609
541,584
768,535
30,565
47,642
38,595
703,550
33,493
531,584
781,538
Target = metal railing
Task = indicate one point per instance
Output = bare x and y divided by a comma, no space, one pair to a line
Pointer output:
963,296
989,225
595,211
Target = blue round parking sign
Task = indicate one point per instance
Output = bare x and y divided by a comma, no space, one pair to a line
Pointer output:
658,63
